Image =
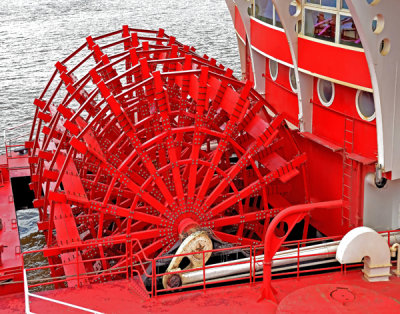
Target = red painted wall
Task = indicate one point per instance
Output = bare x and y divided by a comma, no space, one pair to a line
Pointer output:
239,26
270,41
334,62
324,174
329,122
279,93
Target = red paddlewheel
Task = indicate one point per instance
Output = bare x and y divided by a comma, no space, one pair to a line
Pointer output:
150,139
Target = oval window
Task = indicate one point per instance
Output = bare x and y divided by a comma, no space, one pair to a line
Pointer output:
292,80
365,105
326,92
273,69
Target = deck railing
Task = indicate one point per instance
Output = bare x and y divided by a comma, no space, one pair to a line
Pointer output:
204,268
29,295
11,146
17,140
132,263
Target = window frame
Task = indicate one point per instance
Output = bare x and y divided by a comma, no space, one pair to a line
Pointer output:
338,11
291,70
274,13
330,102
273,78
365,118
318,9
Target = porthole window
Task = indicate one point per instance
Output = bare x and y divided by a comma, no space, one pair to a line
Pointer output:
292,80
384,47
250,10
373,2
273,69
295,8
326,92
365,105
378,23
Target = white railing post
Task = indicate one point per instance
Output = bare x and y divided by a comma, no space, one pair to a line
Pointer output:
26,294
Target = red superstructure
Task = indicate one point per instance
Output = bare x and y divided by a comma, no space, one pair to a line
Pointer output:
318,73
155,170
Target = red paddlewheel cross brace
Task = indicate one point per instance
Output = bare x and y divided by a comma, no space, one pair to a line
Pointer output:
142,138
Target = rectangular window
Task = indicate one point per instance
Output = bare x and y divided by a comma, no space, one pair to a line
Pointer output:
277,20
264,11
348,32
344,5
321,25
327,3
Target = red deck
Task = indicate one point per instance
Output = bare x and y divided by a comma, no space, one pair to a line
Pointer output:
10,251
123,297
10,262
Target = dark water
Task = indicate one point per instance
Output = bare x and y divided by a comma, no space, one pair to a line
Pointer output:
34,34
32,239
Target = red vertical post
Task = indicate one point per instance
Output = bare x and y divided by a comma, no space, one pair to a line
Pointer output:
251,266
298,259
77,266
305,229
127,258
154,277
204,273
131,254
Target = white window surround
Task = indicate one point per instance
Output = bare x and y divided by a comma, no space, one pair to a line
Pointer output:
272,64
362,116
293,85
322,98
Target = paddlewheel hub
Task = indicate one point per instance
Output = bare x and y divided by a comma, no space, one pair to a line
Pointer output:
139,137
187,226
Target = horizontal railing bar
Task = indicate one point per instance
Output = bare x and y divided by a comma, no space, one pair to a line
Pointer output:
18,126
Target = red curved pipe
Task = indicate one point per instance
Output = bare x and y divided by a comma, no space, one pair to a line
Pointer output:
291,215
